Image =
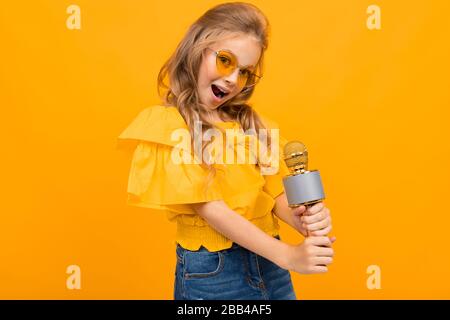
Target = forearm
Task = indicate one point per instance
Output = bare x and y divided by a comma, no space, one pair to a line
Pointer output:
238,229
283,211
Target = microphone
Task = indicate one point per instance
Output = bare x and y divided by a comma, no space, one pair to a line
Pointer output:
302,187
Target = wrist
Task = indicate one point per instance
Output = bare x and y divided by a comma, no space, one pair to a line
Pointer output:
286,218
283,257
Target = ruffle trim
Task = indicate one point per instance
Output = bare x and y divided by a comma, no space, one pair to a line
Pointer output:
153,124
192,237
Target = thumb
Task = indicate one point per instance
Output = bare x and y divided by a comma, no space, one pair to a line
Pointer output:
299,210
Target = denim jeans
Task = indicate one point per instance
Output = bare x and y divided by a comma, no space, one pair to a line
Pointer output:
230,274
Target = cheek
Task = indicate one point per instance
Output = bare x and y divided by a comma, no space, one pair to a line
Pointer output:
209,70
202,74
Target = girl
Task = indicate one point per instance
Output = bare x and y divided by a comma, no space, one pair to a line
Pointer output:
227,240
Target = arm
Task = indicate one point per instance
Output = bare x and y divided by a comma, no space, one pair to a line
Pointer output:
240,230
311,256
284,212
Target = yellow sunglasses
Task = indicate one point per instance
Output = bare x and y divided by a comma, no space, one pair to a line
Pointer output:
226,63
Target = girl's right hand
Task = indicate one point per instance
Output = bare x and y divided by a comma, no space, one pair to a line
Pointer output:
313,255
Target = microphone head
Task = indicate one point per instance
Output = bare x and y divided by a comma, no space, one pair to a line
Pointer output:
296,156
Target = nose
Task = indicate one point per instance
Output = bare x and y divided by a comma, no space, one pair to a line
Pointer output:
232,79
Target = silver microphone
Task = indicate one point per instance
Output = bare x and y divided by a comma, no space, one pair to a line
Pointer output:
302,187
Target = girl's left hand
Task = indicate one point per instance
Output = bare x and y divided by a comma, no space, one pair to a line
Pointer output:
316,220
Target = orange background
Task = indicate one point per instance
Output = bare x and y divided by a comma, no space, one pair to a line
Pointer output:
371,105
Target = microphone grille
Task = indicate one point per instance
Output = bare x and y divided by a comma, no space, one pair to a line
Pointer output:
295,155
293,147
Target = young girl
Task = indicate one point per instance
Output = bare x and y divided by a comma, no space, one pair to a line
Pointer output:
227,241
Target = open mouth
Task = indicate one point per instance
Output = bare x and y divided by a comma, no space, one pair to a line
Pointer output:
217,92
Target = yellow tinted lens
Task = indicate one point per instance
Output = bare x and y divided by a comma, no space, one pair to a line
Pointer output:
225,62
244,77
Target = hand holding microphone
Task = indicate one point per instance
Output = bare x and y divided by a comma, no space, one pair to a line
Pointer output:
304,192
312,221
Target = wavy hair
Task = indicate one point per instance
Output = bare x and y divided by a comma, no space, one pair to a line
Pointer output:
177,79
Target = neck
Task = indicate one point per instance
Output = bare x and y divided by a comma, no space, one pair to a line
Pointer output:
216,118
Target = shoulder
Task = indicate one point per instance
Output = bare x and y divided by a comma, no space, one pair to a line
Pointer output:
155,123
159,117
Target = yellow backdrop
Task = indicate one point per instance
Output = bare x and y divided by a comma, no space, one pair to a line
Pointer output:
372,105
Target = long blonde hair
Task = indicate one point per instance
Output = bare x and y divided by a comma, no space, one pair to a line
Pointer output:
182,67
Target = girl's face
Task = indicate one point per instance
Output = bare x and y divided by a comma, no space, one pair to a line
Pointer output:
247,50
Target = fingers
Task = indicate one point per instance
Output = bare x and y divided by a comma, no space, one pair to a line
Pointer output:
322,232
319,241
320,222
319,253
322,261
324,252
316,217
319,225
319,269
315,208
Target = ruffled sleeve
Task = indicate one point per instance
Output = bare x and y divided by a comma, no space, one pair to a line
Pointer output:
274,182
155,180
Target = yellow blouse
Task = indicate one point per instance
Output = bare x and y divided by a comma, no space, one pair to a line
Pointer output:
157,182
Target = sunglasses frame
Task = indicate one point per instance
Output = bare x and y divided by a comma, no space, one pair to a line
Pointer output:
258,78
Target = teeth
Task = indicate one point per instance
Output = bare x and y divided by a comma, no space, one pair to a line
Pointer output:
218,92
